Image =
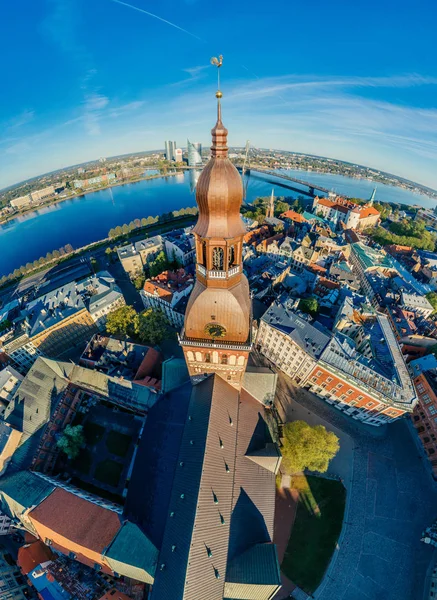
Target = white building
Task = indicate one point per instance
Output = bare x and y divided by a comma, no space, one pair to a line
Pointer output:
10,381
416,303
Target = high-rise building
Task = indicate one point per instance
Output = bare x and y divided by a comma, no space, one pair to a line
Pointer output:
178,155
194,153
217,331
170,150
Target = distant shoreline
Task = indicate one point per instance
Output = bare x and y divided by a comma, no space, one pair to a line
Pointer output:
54,201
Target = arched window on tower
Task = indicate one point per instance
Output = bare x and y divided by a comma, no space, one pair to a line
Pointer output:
208,357
231,256
224,359
204,254
217,259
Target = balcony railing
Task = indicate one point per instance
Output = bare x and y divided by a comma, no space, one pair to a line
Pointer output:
217,274
213,274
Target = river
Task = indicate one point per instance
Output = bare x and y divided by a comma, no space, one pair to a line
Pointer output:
88,218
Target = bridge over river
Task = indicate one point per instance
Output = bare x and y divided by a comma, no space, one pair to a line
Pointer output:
267,174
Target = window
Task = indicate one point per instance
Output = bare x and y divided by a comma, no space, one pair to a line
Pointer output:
318,373
329,380
231,256
217,259
224,359
349,392
204,254
208,357
432,410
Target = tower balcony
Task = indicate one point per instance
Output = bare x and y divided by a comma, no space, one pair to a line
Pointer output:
214,344
214,274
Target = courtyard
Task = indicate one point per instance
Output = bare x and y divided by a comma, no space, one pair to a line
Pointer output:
102,465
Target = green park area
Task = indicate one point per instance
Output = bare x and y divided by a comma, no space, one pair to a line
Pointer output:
316,529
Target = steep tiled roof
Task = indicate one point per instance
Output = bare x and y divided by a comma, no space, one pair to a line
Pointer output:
293,216
24,489
200,507
33,404
368,211
33,555
258,565
253,504
77,520
326,202
151,482
132,554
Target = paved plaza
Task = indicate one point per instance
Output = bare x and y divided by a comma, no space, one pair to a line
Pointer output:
391,499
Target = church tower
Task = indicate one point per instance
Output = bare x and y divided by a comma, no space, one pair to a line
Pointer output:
216,337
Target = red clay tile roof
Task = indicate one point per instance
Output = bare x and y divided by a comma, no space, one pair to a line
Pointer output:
33,555
76,519
166,283
326,202
368,211
294,216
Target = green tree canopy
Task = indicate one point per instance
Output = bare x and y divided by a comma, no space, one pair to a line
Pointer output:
307,447
71,441
153,326
158,265
281,207
405,233
309,305
122,321
432,299
139,282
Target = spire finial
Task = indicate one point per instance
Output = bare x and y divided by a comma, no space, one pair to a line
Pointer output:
219,133
217,62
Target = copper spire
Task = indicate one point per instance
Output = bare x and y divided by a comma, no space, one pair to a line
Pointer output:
219,132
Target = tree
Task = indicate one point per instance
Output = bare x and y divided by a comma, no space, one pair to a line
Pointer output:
71,441
307,447
432,299
158,265
139,281
309,305
122,321
281,207
152,326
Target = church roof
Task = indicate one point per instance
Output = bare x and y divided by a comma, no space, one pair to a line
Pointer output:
199,513
258,565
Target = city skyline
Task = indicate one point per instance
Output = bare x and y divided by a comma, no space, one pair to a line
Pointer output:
370,101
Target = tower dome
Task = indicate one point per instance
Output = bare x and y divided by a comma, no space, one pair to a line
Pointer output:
219,190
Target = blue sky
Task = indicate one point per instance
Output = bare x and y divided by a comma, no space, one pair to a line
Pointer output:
88,78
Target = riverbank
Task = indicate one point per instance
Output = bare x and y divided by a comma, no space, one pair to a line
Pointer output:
54,201
162,226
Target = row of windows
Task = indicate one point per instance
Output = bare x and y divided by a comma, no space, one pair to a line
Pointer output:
215,358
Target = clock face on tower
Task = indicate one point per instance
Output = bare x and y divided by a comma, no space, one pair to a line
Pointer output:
215,330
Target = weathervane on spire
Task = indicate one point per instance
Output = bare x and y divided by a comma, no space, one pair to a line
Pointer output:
217,62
